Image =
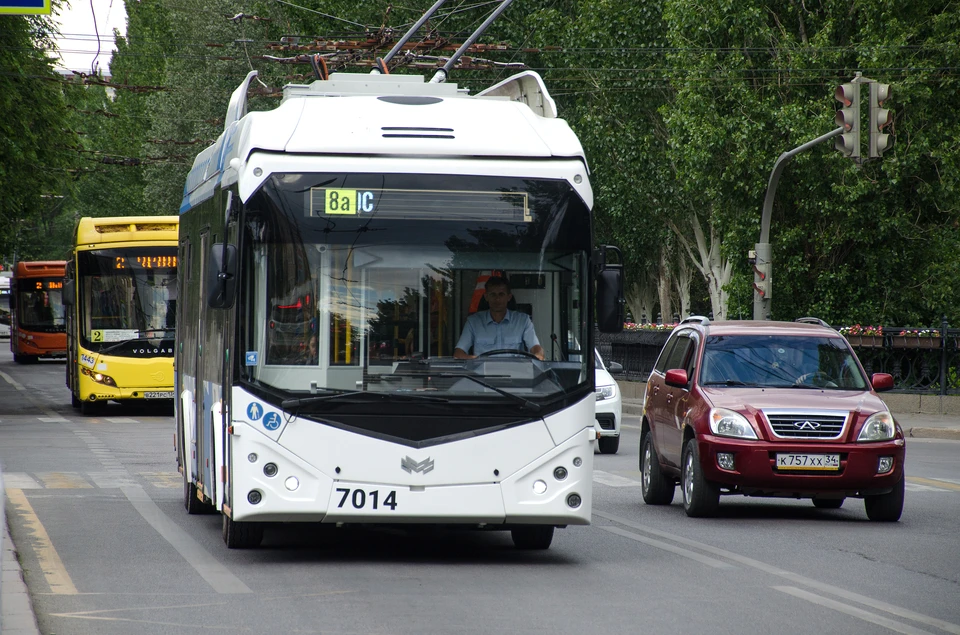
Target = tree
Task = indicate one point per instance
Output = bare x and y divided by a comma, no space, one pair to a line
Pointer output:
35,156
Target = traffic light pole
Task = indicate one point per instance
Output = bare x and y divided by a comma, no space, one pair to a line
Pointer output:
763,268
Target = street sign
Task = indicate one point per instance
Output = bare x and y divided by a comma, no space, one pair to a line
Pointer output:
24,7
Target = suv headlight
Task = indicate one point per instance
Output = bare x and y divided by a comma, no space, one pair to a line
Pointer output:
879,427
727,423
606,392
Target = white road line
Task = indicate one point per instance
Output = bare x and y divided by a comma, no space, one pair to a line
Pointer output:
943,625
613,480
659,544
216,575
853,611
20,480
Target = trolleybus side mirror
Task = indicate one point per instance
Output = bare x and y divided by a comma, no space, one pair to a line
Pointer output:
610,303
68,291
222,275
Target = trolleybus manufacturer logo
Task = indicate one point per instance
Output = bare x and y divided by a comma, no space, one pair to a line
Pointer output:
806,425
411,466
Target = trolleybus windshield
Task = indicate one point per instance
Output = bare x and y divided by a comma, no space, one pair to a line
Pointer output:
358,283
127,295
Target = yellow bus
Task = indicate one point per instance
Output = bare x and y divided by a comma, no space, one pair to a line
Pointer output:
121,293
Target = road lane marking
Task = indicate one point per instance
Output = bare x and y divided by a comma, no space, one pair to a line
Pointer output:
613,480
163,480
216,575
932,482
50,563
852,611
659,544
943,625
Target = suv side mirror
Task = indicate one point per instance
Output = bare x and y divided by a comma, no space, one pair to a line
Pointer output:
677,377
882,381
613,368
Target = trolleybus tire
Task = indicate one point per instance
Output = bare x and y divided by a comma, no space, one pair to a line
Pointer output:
532,536
74,401
191,502
240,535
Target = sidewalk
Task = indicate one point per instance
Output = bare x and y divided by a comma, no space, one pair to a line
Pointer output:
16,609
916,425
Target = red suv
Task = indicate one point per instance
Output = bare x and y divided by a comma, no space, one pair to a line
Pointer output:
781,409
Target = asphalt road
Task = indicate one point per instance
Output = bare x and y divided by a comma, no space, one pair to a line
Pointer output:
95,510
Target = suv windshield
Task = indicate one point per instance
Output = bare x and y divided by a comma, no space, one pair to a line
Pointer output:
777,361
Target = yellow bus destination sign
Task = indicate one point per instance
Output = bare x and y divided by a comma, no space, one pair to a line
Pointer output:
420,204
24,7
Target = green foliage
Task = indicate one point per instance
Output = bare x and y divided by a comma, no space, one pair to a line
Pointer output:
682,109
34,160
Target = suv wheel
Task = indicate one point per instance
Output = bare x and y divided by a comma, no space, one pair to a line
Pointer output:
886,507
700,497
656,488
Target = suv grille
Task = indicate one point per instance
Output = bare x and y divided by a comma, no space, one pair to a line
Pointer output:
810,424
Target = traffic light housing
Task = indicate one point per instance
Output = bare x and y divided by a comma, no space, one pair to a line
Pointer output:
848,118
880,120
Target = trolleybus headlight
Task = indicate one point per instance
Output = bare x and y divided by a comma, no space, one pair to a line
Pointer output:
252,457
539,486
560,473
577,461
270,469
254,497
574,501
292,483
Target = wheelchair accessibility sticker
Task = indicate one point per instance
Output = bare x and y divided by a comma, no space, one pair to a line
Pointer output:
272,421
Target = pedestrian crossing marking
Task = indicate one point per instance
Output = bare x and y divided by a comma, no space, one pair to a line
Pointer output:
62,480
20,480
163,480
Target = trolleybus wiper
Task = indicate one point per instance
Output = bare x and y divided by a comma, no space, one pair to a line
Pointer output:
295,403
526,403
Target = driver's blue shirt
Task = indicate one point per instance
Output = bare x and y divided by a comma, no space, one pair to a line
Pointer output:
514,332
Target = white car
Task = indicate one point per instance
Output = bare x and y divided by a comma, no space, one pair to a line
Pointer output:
609,406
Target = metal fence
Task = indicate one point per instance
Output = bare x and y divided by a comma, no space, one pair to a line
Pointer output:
922,365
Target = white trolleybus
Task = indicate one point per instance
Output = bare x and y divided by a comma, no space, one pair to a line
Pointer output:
332,251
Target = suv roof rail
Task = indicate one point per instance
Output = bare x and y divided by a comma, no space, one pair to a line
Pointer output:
696,318
812,320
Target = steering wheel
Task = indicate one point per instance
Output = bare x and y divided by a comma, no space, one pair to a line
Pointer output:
818,378
509,351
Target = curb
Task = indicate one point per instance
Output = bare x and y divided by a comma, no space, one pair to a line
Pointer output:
16,609
934,433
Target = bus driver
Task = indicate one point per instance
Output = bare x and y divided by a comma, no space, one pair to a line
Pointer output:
498,328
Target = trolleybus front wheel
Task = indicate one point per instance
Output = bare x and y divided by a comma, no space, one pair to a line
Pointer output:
532,536
240,535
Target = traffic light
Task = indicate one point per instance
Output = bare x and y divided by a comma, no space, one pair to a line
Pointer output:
880,118
848,118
